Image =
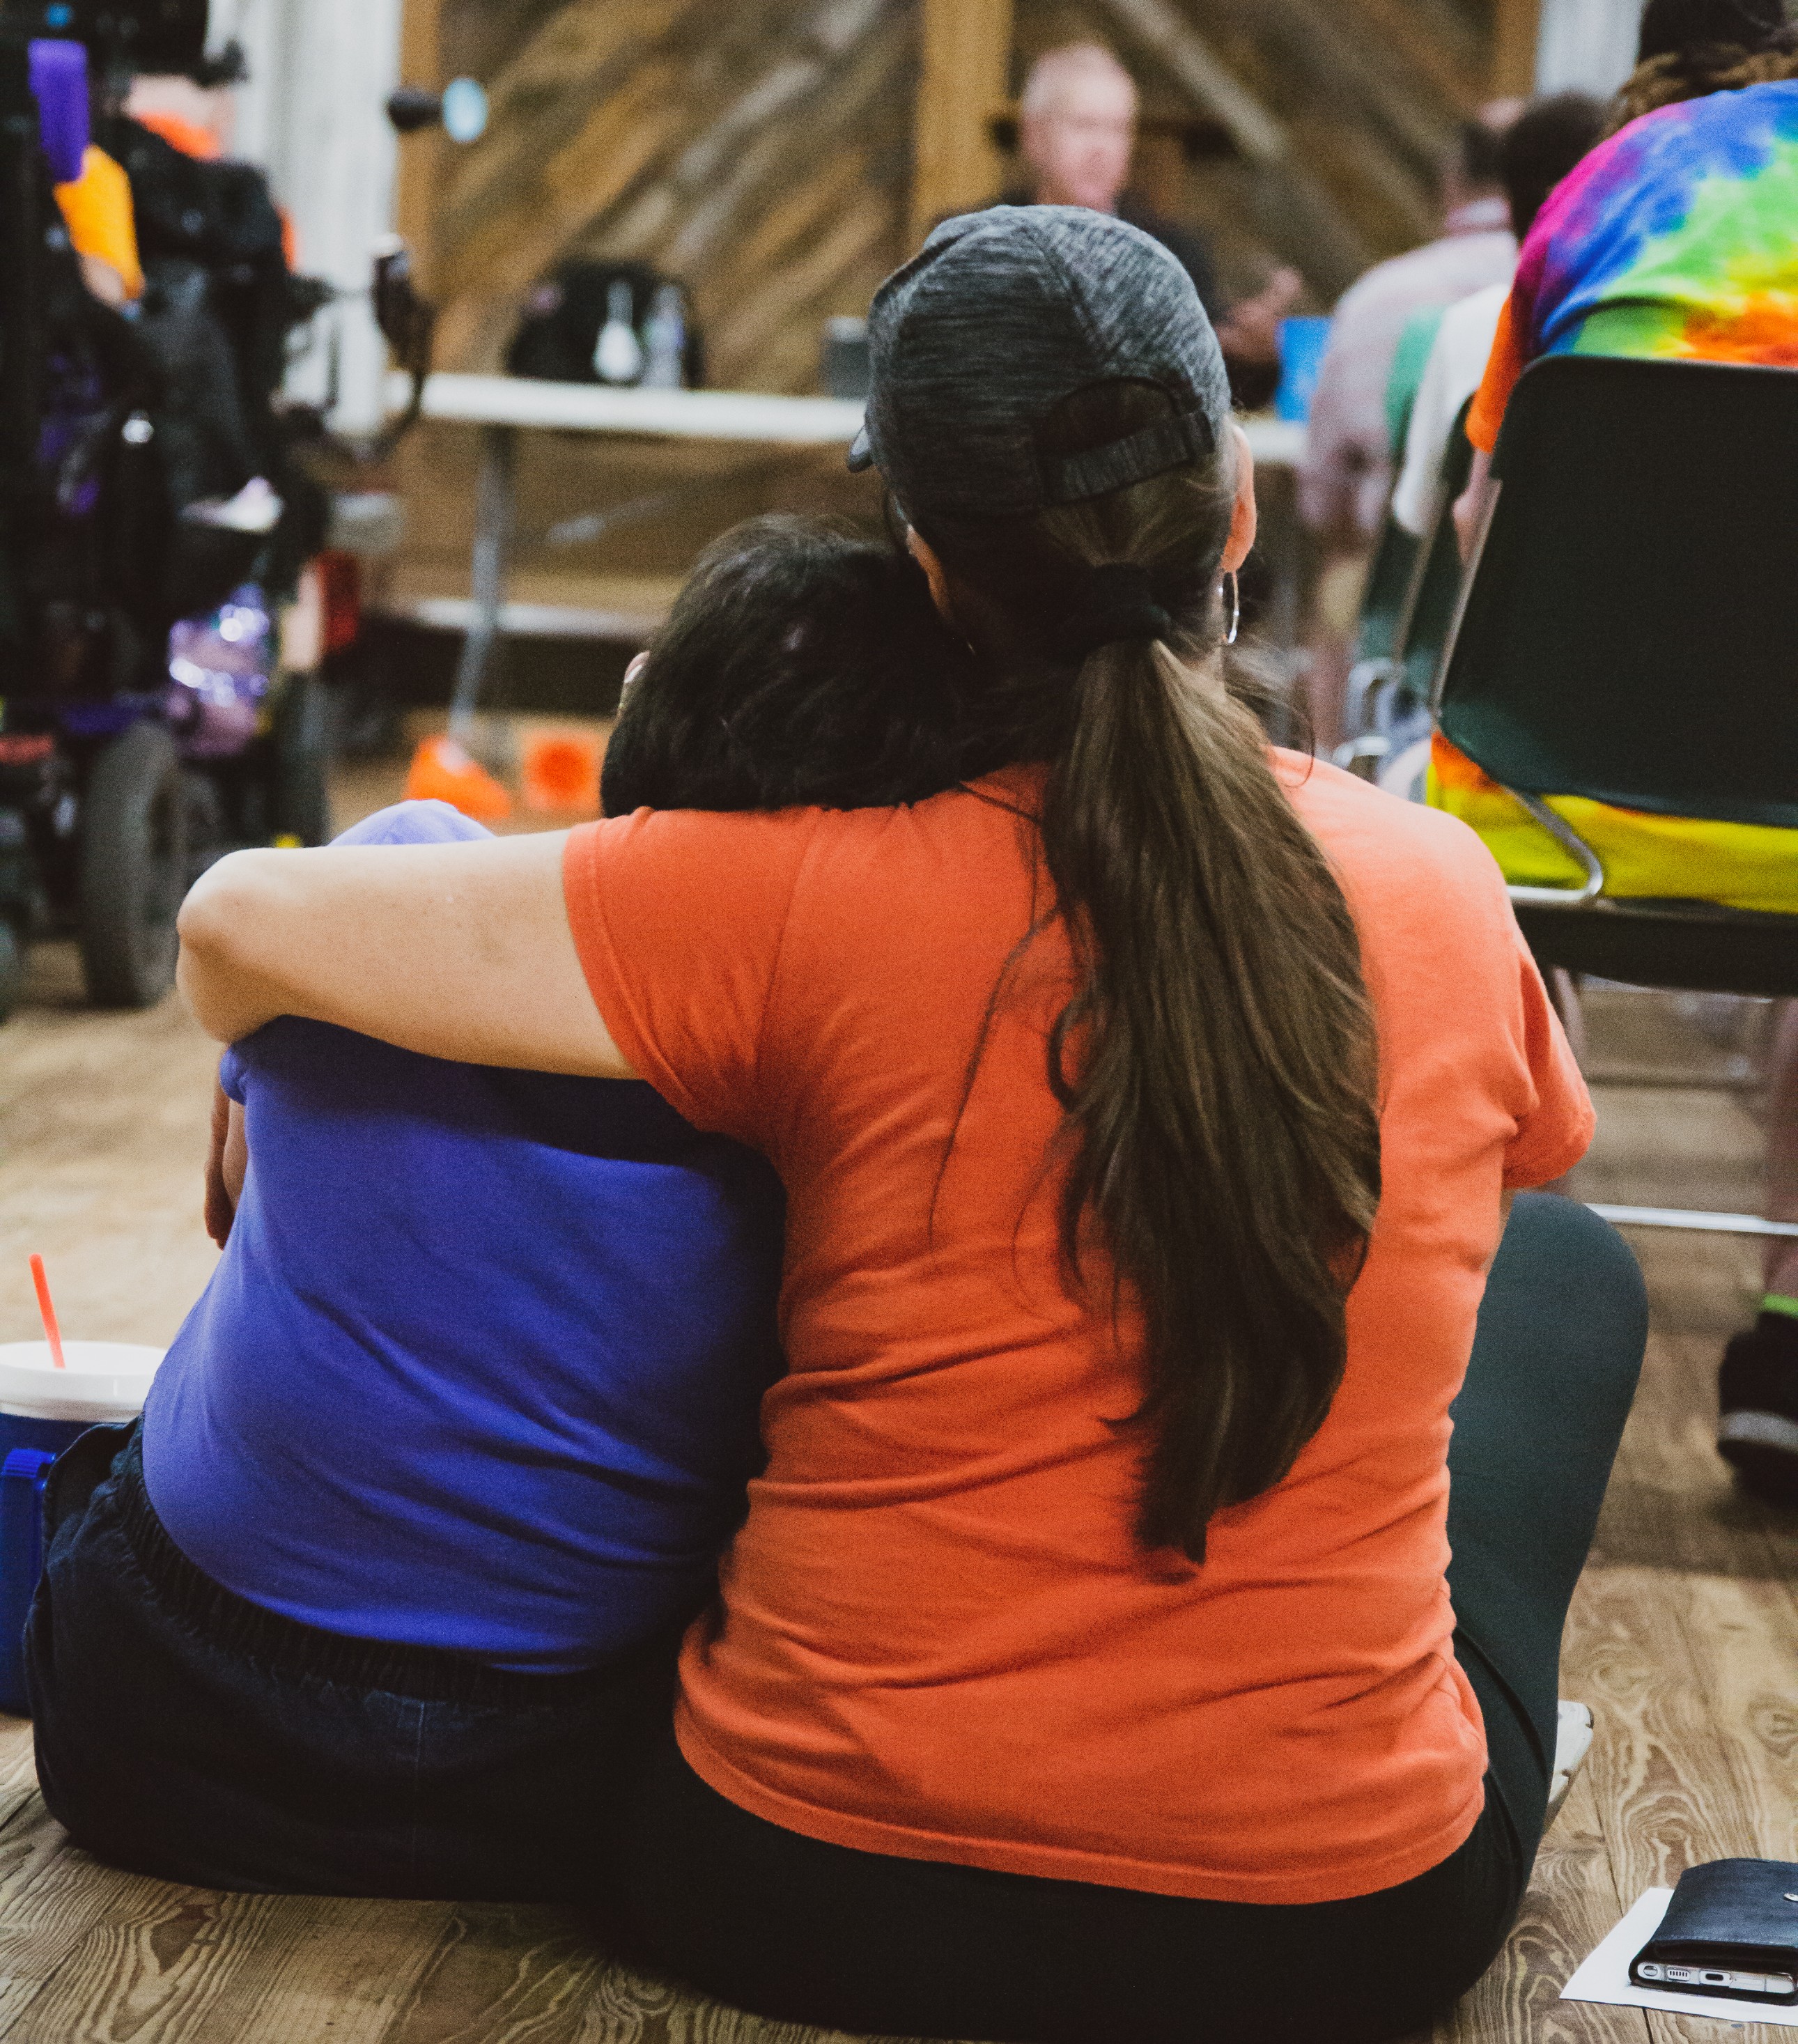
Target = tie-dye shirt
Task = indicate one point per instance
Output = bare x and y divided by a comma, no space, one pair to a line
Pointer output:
1678,236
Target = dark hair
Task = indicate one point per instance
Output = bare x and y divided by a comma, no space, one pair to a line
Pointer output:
1691,49
1670,28
1477,144
1217,1065
1541,145
800,664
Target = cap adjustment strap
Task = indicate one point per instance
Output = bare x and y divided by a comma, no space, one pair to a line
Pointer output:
1172,443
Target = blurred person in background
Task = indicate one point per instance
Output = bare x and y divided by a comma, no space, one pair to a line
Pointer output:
1347,473
198,119
1623,262
1076,135
196,113
1542,146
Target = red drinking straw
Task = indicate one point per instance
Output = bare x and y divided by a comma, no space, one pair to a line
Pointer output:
51,1334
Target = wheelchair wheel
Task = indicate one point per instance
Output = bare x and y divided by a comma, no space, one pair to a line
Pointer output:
303,761
12,969
136,863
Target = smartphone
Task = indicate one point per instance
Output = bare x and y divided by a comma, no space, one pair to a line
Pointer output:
1697,1980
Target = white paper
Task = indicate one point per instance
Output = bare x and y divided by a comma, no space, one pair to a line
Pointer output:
1605,1976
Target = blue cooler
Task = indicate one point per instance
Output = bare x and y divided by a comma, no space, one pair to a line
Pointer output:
43,1410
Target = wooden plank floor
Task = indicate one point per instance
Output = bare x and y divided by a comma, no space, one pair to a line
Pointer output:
1684,1637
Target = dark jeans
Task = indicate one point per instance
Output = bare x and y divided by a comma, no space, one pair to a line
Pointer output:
185,1733
794,1929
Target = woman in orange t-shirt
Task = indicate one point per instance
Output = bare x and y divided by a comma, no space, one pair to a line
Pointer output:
1085,1666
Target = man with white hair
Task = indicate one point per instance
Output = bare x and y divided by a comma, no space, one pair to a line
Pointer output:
1076,135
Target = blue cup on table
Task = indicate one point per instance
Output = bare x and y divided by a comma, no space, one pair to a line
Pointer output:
43,1411
1302,345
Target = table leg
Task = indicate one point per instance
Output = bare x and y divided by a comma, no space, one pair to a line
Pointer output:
492,533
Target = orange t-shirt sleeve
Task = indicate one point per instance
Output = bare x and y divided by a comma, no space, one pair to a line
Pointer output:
677,917
1556,1132
1504,365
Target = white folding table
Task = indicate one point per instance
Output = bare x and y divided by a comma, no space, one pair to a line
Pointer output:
503,406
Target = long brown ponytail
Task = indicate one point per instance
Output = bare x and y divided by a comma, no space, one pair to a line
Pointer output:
1218,1066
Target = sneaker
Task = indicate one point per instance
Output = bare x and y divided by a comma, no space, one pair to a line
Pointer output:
1757,1398
255,509
1573,1741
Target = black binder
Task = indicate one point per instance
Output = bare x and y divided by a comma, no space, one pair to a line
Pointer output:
1731,1930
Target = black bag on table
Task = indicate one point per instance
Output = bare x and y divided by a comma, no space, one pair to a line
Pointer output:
563,316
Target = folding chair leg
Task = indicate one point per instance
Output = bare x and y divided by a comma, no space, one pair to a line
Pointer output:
1695,1220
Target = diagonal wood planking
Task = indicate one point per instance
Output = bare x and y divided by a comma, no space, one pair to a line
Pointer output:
673,132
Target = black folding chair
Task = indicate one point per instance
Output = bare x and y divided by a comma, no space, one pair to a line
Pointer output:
1629,633
1428,615
1382,600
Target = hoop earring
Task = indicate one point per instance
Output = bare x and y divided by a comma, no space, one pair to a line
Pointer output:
1235,608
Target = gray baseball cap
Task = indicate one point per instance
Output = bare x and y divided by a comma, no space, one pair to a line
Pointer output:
1000,316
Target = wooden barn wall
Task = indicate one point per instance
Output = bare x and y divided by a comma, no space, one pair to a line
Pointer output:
764,151
760,152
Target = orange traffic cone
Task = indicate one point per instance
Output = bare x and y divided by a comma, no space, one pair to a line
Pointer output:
562,770
443,771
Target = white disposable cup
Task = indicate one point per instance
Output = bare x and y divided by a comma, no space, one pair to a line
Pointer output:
103,1380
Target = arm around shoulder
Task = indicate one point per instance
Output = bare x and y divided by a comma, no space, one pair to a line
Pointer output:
461,951
216,971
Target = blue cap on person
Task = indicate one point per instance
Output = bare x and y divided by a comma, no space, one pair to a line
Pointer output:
1000,317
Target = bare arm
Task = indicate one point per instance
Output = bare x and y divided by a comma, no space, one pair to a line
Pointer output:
228,1163
1470,505
457,951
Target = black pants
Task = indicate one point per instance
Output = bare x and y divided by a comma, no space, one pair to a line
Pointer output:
185,1733
791,1928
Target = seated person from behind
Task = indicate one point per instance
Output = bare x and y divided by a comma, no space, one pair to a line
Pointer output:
440,1463
1673,239
1346,480
1541,147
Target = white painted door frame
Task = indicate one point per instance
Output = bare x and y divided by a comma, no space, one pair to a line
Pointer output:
313,114
1587,45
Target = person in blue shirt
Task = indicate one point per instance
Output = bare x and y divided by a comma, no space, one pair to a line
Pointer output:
383,1592
429,1261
